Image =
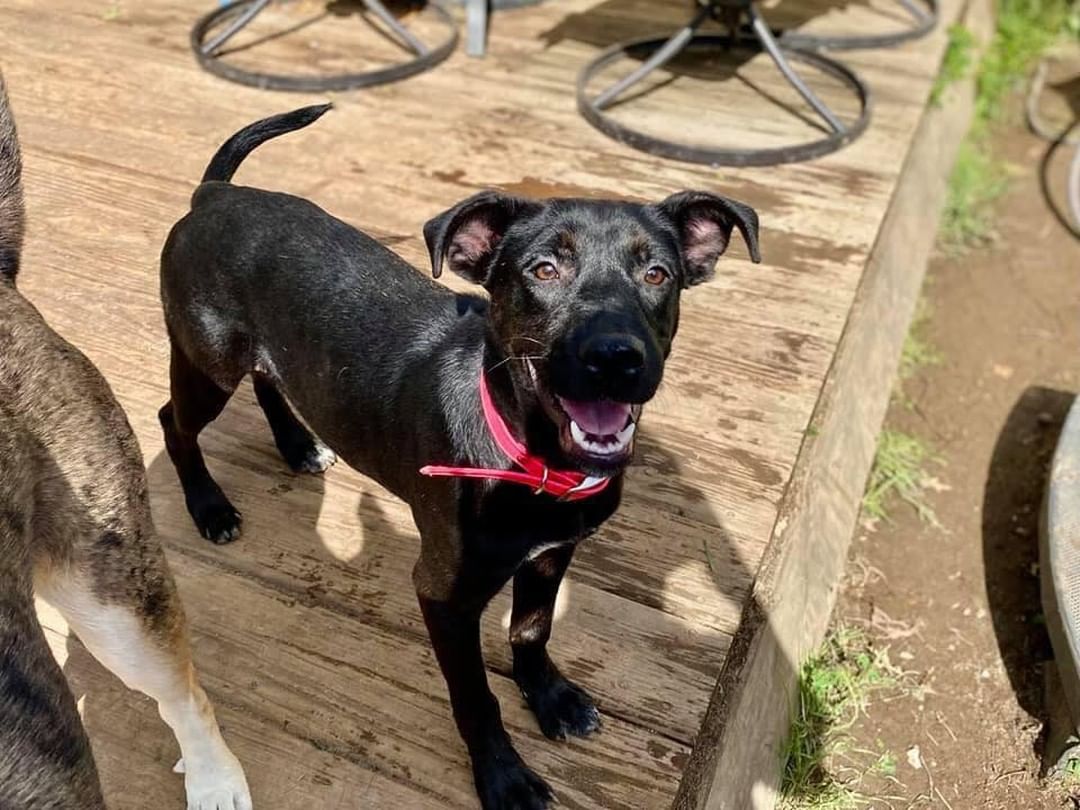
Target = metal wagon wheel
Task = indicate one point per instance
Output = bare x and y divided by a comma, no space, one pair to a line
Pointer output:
212,31
924,18
757,37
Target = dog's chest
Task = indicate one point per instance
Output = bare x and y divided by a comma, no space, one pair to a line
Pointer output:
535,524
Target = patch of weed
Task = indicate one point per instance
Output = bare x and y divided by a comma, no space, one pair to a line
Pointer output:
1070,773
1025,28
977,180
899,471
917,352
955,63
835,687
886,764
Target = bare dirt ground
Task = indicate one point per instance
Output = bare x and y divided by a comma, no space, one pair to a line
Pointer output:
958,604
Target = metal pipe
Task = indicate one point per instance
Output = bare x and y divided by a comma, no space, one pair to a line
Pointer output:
404,34
664,54
234,27
763,33
917,11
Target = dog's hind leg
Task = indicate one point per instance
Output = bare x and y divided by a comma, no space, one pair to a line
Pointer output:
562,708
120,600
196,401
45,757
302,451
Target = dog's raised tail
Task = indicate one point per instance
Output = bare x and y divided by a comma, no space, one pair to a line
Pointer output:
12,215
232,153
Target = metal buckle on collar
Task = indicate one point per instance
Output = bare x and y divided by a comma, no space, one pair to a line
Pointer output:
543,482
588,482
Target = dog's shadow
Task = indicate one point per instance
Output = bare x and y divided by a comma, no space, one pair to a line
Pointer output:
295,534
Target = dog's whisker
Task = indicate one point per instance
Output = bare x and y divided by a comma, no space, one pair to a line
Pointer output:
526,338
502,362
517,357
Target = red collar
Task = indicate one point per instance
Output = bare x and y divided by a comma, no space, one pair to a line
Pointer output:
568,485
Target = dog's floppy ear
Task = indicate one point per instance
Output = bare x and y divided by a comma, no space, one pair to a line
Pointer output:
466,235
705,222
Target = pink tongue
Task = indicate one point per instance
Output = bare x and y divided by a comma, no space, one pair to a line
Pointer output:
601,418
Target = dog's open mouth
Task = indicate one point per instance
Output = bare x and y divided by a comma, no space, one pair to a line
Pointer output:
599,433
602,428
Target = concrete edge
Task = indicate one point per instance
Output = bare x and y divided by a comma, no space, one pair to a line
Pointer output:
736,761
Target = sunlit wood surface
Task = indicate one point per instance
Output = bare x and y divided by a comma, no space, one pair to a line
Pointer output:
306,630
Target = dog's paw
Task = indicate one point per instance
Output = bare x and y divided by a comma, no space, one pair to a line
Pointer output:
503,782
314,458
563,709
217,521
217,785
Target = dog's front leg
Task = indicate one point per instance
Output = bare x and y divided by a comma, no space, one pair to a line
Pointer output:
562,708
503,781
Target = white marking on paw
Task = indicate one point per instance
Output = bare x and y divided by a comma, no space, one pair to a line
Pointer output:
217,784
321,460
213,778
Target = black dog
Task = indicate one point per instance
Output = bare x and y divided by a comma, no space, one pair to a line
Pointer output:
396,372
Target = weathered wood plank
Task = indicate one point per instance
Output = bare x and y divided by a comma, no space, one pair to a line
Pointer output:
117,124
797,584
346,688
135,752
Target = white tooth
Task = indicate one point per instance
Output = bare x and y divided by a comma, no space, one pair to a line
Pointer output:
578,435
621,440
532,370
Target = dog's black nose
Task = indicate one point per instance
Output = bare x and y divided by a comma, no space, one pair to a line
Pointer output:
613,357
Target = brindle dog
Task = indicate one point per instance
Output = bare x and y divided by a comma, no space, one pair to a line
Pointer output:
75,527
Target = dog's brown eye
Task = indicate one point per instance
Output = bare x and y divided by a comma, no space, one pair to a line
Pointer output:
546,271
656,276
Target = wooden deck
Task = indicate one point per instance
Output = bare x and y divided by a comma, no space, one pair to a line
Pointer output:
307,632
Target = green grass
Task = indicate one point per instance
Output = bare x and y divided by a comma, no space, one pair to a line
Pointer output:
956,62
899,471
917,352
1025,28
886,764
835,688
1070,774
977,180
